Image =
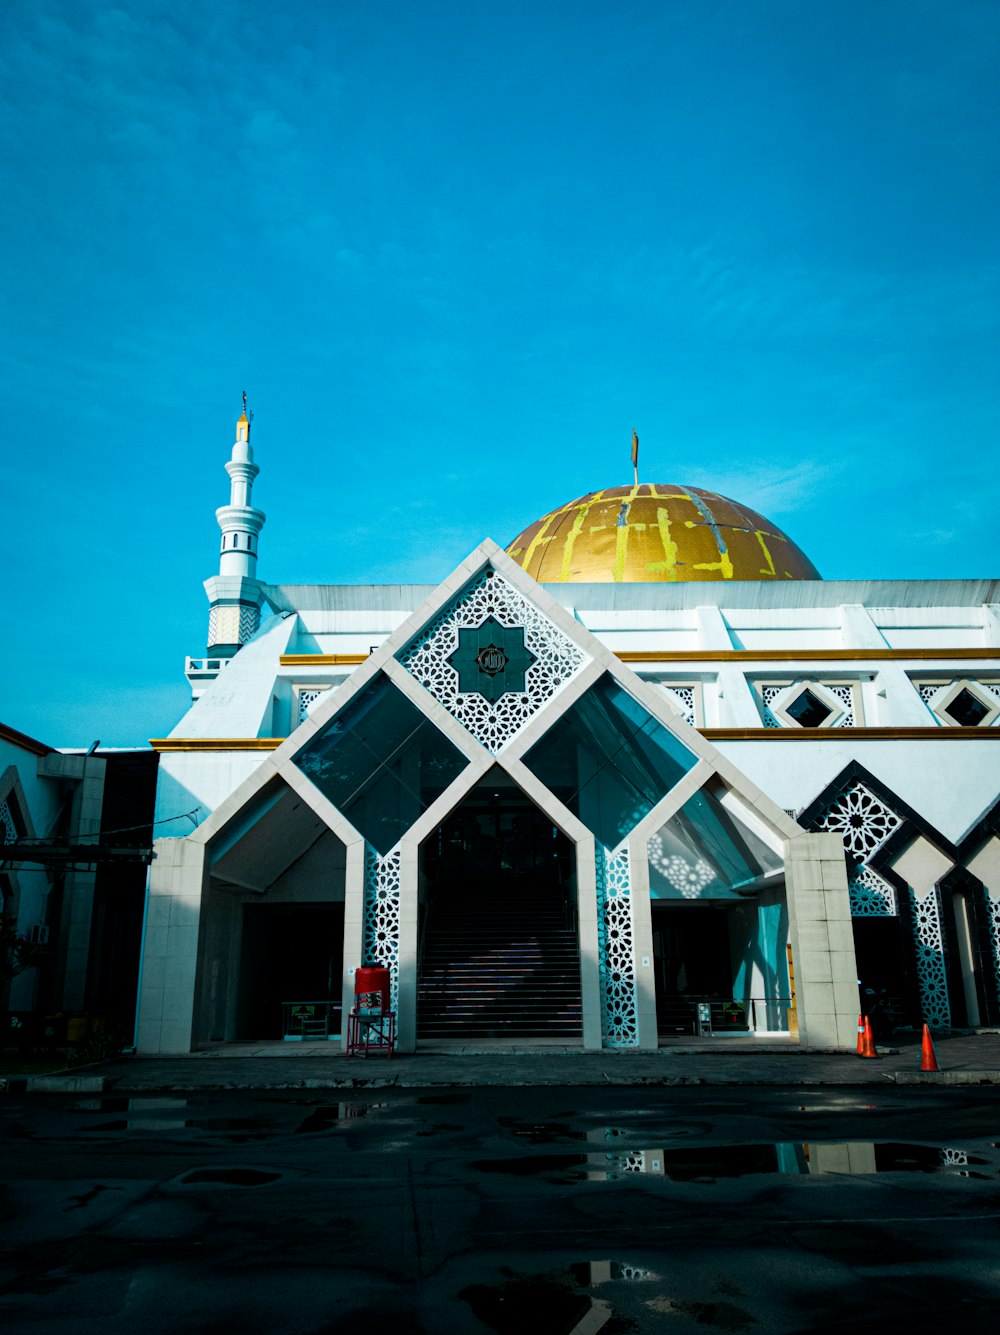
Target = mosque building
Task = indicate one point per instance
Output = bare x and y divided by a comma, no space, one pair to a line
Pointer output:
641,774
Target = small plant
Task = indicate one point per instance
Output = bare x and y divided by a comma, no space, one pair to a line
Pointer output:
99,1046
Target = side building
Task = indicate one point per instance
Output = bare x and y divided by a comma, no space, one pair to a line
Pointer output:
641,771
75,830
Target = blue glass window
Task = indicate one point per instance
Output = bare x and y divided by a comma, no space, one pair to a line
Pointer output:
381,762
609,760
704,852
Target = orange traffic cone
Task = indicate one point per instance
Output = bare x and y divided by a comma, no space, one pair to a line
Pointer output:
861,1035
928,1060
868,1041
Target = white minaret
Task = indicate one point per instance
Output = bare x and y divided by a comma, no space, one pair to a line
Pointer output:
234,594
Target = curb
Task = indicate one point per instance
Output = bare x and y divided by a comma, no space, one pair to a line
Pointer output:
356,1084
54,1084
946,1077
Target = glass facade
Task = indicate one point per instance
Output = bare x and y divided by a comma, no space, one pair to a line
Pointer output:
381,763
703,852
609,760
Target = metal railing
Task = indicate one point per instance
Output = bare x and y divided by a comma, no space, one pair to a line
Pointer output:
745,1015
310,1021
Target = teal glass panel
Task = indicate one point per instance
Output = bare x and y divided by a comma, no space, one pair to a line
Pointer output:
704,852
381,762
609,760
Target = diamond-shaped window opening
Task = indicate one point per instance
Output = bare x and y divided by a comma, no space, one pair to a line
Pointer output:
705,852
492,659
807,704
966,704
381,762
609,760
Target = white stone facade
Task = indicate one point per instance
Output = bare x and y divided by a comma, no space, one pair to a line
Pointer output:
707,651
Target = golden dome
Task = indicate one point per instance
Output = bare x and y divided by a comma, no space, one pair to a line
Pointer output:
656,532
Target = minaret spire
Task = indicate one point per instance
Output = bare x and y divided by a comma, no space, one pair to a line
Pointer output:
235,593
240,522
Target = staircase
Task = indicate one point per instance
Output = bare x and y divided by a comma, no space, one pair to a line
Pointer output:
499,961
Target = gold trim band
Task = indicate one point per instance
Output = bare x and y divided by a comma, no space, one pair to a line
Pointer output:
319,660
215,743
855,734
718,656
712,734
799,655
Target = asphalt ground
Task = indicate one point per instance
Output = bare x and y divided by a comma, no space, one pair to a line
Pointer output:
490,1211
965,1059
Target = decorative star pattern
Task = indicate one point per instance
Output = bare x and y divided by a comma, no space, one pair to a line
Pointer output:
491,659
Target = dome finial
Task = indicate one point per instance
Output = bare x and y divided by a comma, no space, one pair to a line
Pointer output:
635,456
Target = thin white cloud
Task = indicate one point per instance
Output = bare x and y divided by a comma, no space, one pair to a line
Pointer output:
772,490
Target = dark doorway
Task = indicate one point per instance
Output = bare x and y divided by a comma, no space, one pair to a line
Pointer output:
886,970
499,949
291,952
693,956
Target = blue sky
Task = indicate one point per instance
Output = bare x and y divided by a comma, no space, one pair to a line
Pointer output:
455,251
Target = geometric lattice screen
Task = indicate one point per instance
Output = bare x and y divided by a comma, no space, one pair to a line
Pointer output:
616,956
864,823
511,693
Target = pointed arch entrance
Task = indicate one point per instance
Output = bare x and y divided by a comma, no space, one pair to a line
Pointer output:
498,943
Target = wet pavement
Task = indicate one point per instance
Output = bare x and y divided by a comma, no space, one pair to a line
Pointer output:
564,1210
963,1058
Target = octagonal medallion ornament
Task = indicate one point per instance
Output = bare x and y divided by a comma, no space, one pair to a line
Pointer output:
491,659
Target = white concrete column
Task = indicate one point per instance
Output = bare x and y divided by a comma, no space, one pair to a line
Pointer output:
354,925
819,916
586,917
170,948
409,907
858,630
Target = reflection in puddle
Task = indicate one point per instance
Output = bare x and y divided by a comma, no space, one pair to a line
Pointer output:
329,1114
536,1302
706,1164
568,1167
540,1133
145,1114
588,1274
564,1302
167,1114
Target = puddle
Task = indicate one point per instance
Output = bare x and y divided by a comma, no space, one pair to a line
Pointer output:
327,1115
227,1123
589,1274
444,1098
147,1117
570,1167
229,1177
707,1164
120,1103
564,1302
540,1133
895,1158
536,1302
440,1128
